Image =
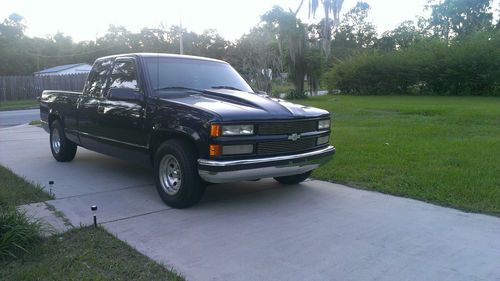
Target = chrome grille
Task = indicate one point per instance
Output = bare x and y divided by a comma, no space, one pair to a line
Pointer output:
287,127
283,147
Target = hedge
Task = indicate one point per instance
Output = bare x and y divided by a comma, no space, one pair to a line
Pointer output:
468,67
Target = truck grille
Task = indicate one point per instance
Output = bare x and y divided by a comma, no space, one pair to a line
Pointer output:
283,147
288,127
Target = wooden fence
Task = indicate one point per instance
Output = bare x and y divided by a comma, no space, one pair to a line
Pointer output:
30,87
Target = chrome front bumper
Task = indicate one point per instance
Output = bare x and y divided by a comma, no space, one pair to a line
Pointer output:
251,169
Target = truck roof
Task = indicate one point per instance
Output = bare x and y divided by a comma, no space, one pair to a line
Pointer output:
162,55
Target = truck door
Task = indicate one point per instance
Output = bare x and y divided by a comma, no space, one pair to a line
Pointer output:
89,103
121,111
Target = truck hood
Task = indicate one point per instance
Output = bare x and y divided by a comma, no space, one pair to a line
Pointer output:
230,105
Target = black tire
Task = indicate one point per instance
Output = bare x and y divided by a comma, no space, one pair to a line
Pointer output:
177,191
62,149
294,179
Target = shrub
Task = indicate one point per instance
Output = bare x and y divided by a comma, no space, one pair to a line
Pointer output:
468,67
280,87
294,95
17,233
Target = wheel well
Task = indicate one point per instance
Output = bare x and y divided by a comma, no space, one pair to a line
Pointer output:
159,137
52,118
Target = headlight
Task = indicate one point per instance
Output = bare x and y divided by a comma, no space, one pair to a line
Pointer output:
217,130
323,124
322,140
237,130
237,149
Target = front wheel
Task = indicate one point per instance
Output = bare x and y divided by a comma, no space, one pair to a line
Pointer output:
62,149
176,175
294,179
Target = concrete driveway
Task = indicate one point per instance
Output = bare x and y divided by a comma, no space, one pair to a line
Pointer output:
262,230
18,117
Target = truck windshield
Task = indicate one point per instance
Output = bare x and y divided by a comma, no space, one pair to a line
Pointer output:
167,74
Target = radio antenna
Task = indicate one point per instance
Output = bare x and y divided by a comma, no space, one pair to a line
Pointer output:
181,47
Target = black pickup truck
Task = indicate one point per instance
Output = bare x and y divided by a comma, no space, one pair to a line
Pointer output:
194,119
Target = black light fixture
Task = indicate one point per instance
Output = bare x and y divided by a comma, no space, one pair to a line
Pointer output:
93,208
51,184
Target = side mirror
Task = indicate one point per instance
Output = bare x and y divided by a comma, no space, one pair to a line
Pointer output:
261,93
124,94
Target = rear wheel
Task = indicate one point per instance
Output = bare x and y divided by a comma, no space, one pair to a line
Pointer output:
176,174
62,149
294,179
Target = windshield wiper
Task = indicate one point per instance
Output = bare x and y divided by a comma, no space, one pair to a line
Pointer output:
226,87
178,88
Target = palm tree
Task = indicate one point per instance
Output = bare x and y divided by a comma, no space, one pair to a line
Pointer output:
332,9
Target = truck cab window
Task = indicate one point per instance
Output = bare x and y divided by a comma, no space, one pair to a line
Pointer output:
174,73
97,77
124,75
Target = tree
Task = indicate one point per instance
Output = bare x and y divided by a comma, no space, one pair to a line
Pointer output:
20,54
403,36
292,35
15,54
356,28
255,52
314,68
117,36
13,27
211,44
460,18
332,10
150,40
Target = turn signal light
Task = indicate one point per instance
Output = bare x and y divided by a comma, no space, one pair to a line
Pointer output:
215,130
215,150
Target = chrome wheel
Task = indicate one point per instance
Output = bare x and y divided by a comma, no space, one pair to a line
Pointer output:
170,174
56,141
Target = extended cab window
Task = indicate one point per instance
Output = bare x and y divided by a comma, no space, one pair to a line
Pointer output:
97,77
124,75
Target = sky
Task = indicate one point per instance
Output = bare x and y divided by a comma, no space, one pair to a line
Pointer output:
87,19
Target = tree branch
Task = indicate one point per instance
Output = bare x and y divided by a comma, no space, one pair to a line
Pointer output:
300,6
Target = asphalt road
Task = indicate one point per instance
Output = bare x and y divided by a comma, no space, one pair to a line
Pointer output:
18,117
262,230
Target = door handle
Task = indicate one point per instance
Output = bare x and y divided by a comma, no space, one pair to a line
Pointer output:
100,109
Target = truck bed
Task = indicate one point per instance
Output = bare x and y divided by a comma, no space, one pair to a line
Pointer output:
59,103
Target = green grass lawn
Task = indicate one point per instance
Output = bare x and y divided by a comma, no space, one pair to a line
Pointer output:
80,254
35,122
84,254
20,104
16,191
444,150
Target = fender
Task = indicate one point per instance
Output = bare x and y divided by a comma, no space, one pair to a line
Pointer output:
54,115
161,133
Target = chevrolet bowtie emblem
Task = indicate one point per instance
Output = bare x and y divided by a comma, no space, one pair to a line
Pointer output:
294,137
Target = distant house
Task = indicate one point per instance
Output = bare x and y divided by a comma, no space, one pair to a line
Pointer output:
65,69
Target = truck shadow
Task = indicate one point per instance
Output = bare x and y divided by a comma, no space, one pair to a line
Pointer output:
265,192
105,173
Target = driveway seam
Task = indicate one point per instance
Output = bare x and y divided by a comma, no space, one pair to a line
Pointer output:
139,215
170,209
101,192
